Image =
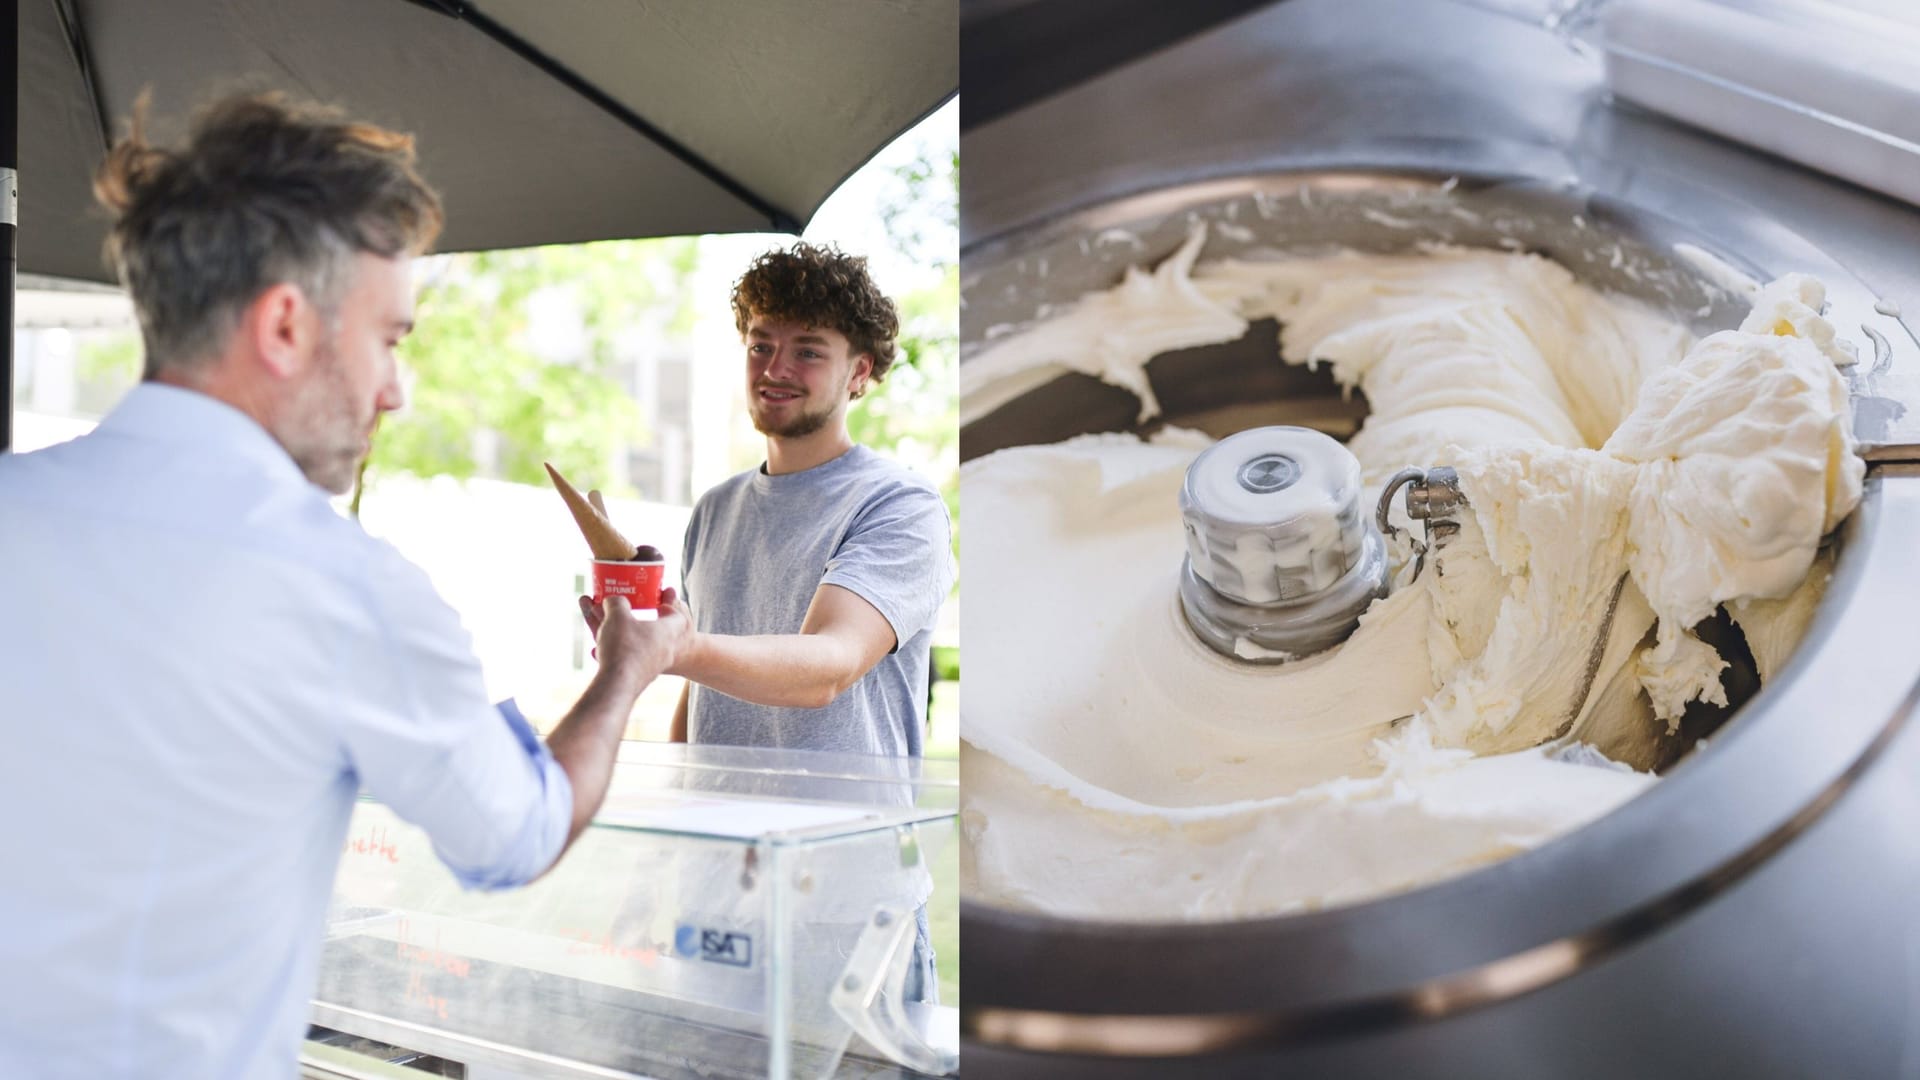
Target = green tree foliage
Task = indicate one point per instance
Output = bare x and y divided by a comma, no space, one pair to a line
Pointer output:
473,370
113,359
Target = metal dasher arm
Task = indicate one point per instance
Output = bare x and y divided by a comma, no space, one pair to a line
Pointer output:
1433,497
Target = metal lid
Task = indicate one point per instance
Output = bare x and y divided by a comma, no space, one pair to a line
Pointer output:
1273,514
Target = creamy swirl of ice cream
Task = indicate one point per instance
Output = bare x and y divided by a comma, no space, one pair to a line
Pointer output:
1117,768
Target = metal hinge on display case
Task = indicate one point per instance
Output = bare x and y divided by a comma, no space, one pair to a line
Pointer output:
870,995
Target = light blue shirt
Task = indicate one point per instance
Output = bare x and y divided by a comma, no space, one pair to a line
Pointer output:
201,664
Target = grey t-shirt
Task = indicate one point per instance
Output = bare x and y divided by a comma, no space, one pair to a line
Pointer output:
759,547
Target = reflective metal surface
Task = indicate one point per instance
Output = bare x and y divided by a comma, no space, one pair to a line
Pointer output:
1638,240
1531,949
1752,914
1281,562
1414,84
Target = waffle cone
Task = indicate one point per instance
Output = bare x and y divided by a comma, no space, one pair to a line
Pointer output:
604,540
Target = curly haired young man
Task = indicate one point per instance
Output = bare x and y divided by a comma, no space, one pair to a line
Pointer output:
813,580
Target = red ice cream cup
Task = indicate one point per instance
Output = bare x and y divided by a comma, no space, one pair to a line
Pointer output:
639,582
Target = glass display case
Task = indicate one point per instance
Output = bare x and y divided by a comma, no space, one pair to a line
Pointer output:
732,912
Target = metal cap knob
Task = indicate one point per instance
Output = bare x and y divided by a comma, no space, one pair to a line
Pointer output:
1273,514
1281,560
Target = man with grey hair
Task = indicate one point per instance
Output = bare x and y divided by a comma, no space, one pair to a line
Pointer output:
203,662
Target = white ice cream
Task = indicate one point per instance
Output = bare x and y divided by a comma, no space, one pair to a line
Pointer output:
1110,335
1118,768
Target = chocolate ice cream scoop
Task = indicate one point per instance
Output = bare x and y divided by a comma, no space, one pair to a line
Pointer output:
647,553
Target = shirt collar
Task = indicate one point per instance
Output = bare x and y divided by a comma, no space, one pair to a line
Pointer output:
159,412
767,481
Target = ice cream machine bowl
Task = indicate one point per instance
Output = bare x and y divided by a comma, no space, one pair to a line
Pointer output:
1750,914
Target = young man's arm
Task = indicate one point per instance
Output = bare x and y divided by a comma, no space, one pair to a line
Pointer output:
840,640
900,557
884,583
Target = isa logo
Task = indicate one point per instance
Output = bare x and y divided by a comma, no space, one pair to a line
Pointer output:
729,947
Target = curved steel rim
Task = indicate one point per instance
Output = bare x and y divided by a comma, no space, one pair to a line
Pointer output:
1490,983
1150,190
1524,965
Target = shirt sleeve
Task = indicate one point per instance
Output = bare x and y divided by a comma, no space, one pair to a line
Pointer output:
423,739
687,544
898,557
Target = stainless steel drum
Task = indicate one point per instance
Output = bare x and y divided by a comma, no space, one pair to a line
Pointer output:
1755,914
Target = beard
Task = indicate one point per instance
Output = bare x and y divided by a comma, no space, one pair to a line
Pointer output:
798,424
320,428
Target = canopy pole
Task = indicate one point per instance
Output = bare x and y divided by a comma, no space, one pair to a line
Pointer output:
9,213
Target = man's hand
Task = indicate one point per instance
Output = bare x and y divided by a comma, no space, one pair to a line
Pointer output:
633,652
841,638
591,612
635,647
